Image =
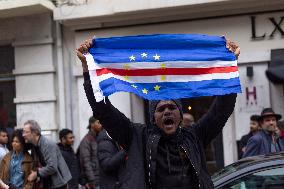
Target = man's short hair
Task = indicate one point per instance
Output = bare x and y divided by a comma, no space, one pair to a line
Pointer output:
34,126
92,120
254,118
64,132
3,130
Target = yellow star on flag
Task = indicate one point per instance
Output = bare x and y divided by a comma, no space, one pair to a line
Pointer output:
157,57
145,91
126,66
157,88
163,65
134,86
163,77
144,55
132,58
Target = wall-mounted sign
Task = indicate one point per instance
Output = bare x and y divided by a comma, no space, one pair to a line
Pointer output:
277,26
253,98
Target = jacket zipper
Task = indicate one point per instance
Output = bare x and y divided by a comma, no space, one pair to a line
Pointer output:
191,165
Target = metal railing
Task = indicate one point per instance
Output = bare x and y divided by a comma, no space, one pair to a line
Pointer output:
59,3
70,2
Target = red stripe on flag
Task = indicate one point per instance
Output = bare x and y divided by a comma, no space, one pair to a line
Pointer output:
167,71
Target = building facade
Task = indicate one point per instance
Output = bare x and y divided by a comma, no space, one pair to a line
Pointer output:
29,40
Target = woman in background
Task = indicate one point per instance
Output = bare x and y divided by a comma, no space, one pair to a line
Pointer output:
17,164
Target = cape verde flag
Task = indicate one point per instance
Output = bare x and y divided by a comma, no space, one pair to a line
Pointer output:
163,66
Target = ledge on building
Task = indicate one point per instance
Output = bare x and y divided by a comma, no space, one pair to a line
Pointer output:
101,13
15,8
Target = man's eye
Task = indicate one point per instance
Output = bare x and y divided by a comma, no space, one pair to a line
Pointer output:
172,107
161,109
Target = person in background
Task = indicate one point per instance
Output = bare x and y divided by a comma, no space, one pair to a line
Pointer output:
280,129
188,120
3,142
266,140
112,159
52,168
17,164
88,154
254,128
66,137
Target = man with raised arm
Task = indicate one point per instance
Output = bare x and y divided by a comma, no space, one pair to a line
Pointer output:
165,155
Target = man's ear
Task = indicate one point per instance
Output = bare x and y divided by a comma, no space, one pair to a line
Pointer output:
63,140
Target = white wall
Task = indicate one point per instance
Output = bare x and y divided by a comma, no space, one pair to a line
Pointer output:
244,109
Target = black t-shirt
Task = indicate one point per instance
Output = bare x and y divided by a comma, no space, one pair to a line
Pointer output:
174,171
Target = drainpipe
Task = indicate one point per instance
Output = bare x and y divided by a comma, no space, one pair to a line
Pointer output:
60,78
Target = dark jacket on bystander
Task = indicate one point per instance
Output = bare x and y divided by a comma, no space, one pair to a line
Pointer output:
112,161
73,165
260,144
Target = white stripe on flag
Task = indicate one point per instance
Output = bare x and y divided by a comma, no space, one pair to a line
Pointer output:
153,65
168,78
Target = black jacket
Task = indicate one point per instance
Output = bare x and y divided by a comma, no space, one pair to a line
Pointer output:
242,144
111,159
142,143
73,165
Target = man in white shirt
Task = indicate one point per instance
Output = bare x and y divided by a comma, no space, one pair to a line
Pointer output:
3,143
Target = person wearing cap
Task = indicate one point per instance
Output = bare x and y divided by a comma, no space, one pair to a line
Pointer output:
254,128
88,156
163,154
265,141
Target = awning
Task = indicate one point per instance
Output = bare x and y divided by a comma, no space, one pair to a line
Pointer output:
14,8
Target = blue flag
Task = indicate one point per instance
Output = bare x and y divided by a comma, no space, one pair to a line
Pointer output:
163,66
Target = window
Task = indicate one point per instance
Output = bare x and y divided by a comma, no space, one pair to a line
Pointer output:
266,179
7,88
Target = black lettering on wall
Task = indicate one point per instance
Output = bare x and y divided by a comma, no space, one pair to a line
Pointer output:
277,26
253,30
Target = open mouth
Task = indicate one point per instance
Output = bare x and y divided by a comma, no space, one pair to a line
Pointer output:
168,122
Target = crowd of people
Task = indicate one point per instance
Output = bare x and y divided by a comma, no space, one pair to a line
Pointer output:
36,162
33,161
117,153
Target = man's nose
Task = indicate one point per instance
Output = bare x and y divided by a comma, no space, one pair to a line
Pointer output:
167,111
